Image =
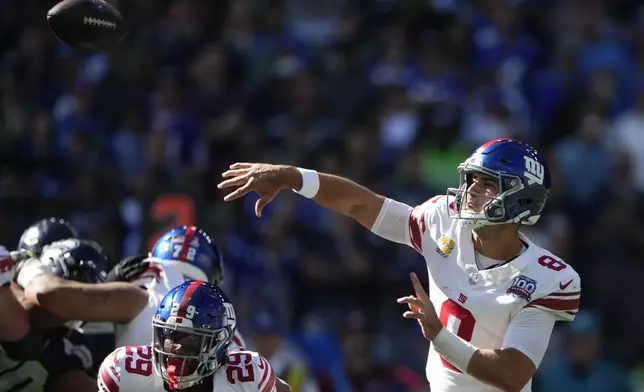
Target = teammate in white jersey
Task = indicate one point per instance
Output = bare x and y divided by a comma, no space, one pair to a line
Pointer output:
193,329
185,252
495,295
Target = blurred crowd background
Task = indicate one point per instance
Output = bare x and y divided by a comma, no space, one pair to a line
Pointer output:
393,94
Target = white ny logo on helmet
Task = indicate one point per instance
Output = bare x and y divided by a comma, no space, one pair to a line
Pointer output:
534,171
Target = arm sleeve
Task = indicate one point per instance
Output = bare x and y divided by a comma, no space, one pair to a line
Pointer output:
392,222
403,224
529,332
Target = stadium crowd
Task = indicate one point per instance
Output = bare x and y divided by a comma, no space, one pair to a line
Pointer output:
393,94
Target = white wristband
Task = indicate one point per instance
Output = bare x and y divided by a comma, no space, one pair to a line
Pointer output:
455,350
310,183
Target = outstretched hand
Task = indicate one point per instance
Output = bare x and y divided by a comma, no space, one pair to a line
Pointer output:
421,309
262,178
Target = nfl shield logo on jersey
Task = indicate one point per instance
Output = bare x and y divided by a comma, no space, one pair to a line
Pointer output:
523,287
445,246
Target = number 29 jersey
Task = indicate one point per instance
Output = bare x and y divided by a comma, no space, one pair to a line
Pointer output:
130,369
158,280
476,304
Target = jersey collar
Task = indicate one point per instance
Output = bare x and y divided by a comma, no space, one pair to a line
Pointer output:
495,275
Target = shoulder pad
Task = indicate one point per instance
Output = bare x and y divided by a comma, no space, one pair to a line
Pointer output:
561,292
251,368
123,366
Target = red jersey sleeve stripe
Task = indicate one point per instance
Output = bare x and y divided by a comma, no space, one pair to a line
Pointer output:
108,377
263,366
569,294
557,304
269,383
416,223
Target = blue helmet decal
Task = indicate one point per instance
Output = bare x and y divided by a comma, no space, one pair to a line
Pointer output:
186,246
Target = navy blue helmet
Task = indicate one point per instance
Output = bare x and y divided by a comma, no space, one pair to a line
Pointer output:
44,232
190,251
76,259
523,182
193,328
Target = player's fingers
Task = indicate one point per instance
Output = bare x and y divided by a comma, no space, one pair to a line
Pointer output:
239,192
241,165
411,300
262,202
144,265
234,181
413,315
234,173
418,288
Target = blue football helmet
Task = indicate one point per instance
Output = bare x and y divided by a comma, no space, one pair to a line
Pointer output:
190,251
523,182
44,232
193,327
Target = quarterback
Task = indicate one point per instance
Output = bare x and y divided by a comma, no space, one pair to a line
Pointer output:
193,328
495,295
185,252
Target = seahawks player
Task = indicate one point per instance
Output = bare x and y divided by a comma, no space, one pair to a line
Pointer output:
52,356
69,299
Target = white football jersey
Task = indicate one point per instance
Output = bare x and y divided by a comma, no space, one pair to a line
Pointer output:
478,305
158,280
130,369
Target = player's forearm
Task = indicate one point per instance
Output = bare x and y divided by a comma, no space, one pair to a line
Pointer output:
506,369
342,195
106,302
499,369
16,326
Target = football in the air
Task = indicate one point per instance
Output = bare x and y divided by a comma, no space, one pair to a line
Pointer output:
91,25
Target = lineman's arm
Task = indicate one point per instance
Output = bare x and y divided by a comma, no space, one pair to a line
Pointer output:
102,302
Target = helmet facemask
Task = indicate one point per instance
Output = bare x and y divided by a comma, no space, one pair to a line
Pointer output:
184,356
494,210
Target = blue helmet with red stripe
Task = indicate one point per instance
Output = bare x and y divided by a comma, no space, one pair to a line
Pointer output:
193,328
190,250
503,181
